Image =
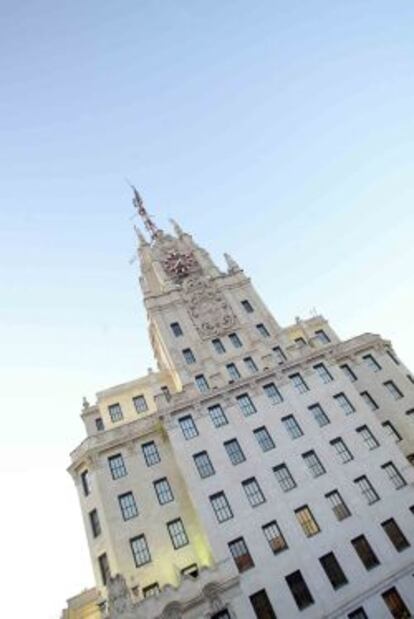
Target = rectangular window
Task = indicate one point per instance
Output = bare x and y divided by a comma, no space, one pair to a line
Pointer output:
319,415
99,424
365,552
338,505
298,383
246,404
140,550
410,413
140,403
323,373
392,432
368,438
253,492
150,453
333,570
86,487
177,533
279,354
221,507
274,537
165,390
203,464
348,372
306,520
233,371
344,403
322,337
299,590
367,489
217,415
190,570
95,524
234,451
263,330
188,427
104,568
395,534
128,506
273,393
369,400
163,491
293,428
235,340
393,389
262,606
392,356
247,306
284,477
250,365
358,613
394,475
240,554
264,439
396,604
150,590
372,363
313,463
300,342
410,378
202,383
218,346
115,412
342,450
176,329
188,355
117,466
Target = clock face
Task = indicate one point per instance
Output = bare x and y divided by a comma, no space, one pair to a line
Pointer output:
179,264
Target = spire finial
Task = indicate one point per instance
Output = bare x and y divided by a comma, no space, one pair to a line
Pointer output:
177,228
141,238
139,205
232,265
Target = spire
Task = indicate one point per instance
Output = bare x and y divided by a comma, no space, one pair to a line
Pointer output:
141,238
177,228
232,265
148,223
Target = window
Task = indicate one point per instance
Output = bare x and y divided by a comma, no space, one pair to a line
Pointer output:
394,475
202,383
246,405
217,415
233,371
261,605
151,590
222,614
358,613
293,428
365,552
279,354
104,568
338,505
218,346
284,477
247,306
190,570
313,463
163,491
395,534
392,432
392,357
367,490
393,389
128,506
250,365
410,378
253,492
177,533
306,520
322,337
203,464
319,415
348,372
86,486
188,355
115,412
151,454
95,524
264,439
333,570
367,436
372,363
263,330
344,403
240,554
188,427
299,590
221,507
395,604
298,383
369,400
99,424
140,404
274,536
235,340
140,550
324,375
300,342
165,390
273,393
176,329
342,450
117,466
234,451
410,413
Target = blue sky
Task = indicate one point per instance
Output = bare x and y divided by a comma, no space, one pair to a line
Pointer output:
281,132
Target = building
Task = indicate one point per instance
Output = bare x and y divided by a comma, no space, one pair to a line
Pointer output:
262,471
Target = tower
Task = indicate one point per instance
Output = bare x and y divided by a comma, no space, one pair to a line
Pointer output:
260,472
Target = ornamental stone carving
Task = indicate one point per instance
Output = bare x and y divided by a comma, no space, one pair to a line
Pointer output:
119,600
